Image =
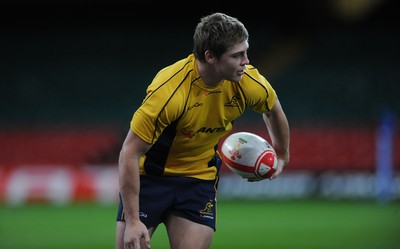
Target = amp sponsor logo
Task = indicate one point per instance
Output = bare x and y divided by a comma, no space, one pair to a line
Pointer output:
191,134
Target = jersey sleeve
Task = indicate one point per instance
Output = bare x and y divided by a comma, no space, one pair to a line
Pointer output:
159,109
260,95
164,103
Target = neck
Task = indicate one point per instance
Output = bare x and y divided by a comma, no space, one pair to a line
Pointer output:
208,75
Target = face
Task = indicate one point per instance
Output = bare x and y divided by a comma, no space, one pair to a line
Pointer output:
231,64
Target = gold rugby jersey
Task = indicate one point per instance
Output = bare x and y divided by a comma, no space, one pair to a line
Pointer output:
184,119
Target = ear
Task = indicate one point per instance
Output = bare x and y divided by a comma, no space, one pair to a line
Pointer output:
210,57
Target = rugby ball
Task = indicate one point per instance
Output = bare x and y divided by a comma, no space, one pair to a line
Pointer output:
249,155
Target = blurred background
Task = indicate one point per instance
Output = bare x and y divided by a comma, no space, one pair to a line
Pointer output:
73,72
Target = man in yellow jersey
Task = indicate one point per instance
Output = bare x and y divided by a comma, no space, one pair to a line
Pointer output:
169,164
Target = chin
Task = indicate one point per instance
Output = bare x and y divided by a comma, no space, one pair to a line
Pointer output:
237,78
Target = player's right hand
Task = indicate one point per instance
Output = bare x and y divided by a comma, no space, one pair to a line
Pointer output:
134,234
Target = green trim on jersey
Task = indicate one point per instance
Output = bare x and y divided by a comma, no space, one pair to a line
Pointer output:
183,117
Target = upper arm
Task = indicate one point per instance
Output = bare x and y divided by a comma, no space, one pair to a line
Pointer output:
133,146
275,110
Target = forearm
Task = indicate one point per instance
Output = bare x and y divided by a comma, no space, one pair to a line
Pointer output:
129,183
278,128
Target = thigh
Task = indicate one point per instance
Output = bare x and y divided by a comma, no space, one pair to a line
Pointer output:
186,234
156,196
196,201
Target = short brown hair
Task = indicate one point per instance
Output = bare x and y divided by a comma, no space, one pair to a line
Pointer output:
217,33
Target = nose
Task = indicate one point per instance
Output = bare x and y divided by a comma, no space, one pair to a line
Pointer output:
245,60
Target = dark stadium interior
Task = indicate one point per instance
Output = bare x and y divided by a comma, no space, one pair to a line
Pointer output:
73,71
84,65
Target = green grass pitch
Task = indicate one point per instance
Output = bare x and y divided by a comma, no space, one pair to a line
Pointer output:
287,224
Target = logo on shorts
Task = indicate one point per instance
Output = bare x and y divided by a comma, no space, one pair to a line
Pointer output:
207,212
141,214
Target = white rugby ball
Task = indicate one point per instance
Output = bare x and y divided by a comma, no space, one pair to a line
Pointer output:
249,155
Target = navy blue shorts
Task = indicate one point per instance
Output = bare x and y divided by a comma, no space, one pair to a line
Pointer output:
187,197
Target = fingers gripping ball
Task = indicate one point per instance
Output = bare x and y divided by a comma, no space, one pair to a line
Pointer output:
249,155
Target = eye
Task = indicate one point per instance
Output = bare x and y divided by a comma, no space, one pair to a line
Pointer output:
239,55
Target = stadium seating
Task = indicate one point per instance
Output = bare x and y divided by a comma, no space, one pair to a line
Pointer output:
57,146
322,149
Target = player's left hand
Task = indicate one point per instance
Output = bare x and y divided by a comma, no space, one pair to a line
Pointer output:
279,168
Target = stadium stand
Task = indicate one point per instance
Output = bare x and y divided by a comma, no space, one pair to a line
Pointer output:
57,146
